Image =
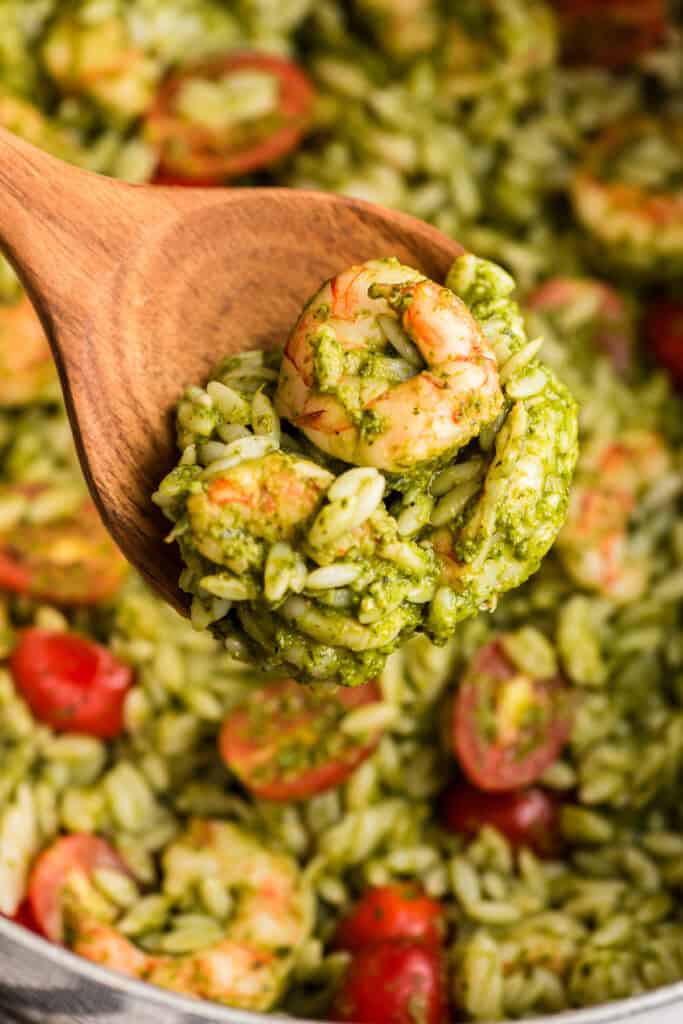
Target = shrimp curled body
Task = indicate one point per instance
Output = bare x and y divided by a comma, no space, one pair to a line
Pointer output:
595,544
249,965
388,369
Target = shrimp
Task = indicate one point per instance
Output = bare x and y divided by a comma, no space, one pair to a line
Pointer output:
594,542
320,576
353,374
288,565
627,196
100,942
257,502
27,373
249,966
500,511
511,520
271,522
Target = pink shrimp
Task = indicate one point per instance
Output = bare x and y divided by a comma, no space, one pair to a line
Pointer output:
354,378
246,967
594,543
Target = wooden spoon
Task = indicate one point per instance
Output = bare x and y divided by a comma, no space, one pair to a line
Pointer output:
142,290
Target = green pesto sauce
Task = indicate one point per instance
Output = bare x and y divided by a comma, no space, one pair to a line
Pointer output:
328,361
372,425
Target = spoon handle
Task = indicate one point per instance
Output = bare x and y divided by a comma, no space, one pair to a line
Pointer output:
60,227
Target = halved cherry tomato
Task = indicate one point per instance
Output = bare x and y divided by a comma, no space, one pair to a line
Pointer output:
526,817
71,561
24,917
70,683
507,727
284,742
610,33
194,154
399,982
52,871
400,911
612,326
664,335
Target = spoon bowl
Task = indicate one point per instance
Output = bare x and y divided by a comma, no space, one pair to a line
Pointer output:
142,290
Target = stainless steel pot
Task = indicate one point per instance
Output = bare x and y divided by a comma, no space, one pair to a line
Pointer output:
44,984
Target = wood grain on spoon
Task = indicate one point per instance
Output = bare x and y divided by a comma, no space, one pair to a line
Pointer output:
143,289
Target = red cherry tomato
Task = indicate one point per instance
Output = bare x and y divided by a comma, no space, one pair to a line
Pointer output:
399,982
284,742
612,327
400,911
610,33
71,683
193,154
14,576
24,917
51,873
664,335
526,817
71,561
507,727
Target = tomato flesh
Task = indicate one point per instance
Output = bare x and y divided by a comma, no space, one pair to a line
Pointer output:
71,561
507,727
399,911
664,335
526,817
192,154
70,683
52,871
284,742
399,982
610,33
24,917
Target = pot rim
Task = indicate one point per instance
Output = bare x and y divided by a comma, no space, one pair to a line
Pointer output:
621,1010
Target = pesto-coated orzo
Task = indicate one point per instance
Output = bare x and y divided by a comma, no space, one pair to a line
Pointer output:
509,801
463,446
